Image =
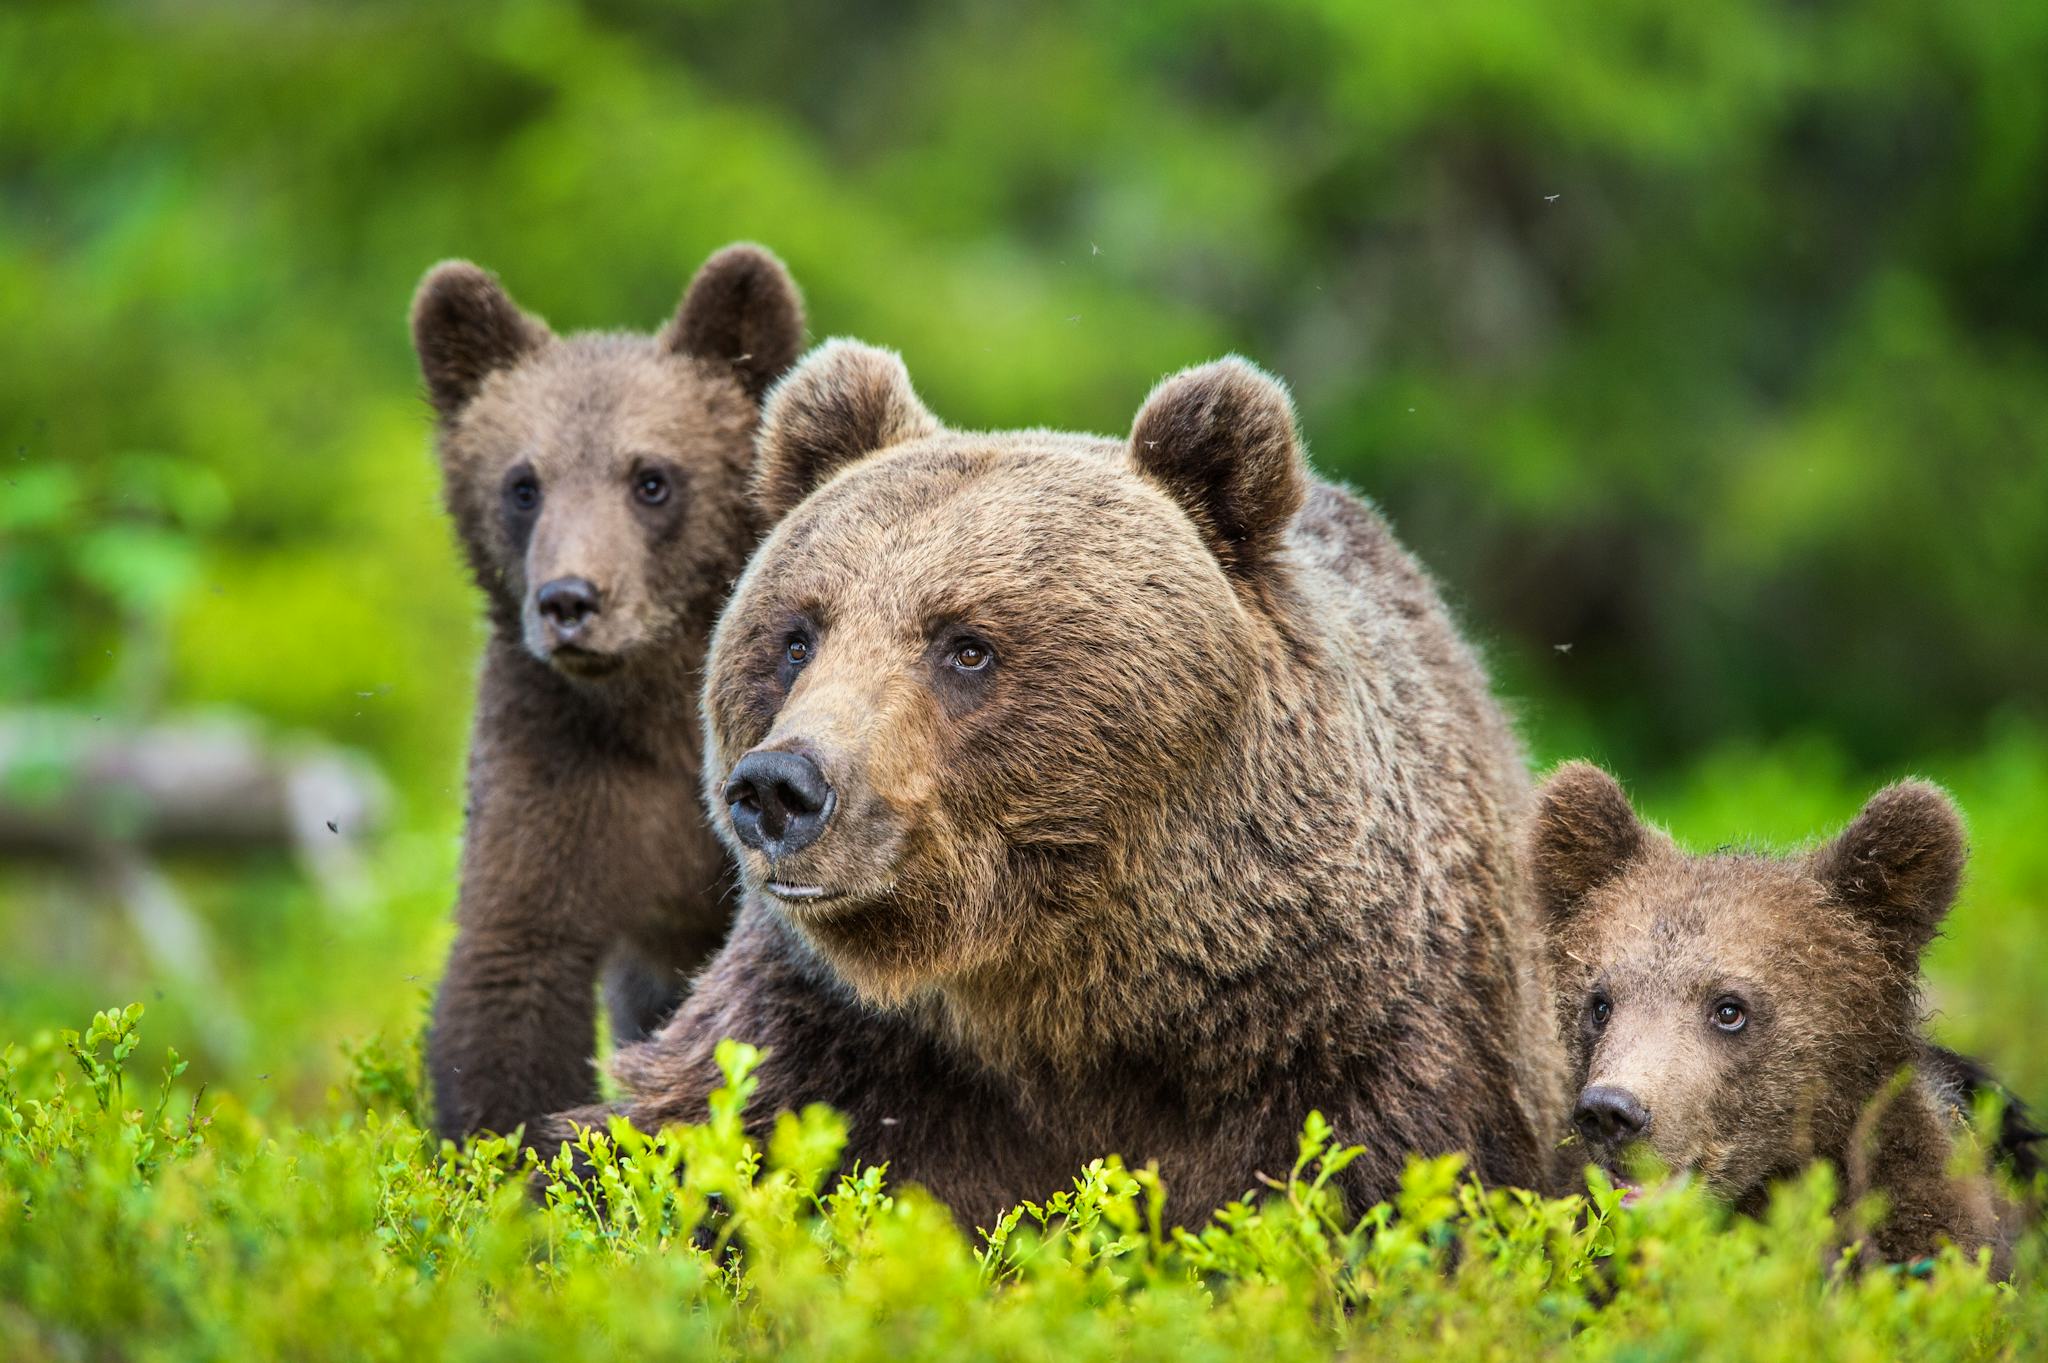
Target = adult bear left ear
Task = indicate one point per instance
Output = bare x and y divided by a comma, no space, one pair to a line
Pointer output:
742,310
1898,866
844,400
1219,439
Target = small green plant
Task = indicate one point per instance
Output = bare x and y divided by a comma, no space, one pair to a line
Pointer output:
185,1227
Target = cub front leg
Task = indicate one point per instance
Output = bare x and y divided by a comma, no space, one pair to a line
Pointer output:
1901,1150
514,1025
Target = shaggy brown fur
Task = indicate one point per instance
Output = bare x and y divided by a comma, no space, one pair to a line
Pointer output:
618,465
1741,1015
1166,806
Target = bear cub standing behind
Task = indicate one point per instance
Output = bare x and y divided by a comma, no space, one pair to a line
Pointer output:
598,484
1741,1014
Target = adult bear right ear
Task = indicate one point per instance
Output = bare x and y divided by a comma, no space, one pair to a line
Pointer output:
842,401
1219,439
465,327
1584,834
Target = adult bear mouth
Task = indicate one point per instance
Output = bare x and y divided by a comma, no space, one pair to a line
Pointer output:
801,894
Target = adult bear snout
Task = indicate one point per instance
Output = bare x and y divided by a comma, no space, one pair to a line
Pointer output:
780,802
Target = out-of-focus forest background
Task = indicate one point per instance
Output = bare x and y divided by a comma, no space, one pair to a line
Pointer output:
1702,349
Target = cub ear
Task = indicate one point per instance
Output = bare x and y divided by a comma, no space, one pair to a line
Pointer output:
1898,865
842,401
1584,834
464,328
742,309
1219,439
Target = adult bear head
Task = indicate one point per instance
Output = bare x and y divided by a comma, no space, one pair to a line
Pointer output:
972,682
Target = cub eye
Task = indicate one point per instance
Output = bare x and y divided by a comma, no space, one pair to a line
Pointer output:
798,651
1601,1010
651,488
524,493
971,656
1730,1016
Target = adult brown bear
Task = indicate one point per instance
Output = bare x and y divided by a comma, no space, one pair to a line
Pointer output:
1100,796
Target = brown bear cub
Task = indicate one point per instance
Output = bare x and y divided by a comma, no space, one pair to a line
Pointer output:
1739,1015
1103,795
599,486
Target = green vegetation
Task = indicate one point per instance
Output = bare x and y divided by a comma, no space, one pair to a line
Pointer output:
149,1222
1702,350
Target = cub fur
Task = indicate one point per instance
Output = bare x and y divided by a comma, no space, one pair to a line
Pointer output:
598,483
1740,1015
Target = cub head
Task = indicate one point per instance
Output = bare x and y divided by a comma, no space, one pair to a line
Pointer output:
1733,1013
968,673
598,481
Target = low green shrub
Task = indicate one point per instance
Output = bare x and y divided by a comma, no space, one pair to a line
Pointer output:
141,1220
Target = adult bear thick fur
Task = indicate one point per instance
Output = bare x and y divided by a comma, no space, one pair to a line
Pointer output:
1097,795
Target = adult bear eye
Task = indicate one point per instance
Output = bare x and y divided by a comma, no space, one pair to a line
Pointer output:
1730,1015
651,488
524,493
796,651
971,656
1601,1010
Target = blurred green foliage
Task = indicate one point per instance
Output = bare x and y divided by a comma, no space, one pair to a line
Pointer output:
1701,348
1709,339
147,1221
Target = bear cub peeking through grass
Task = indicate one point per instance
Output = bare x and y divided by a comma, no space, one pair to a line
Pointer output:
1740,1015
598,483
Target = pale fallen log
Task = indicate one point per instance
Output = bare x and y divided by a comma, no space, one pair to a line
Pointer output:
109,799
72,786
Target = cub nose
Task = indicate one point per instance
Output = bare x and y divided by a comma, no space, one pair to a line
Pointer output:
1607,1115
567,603
780,802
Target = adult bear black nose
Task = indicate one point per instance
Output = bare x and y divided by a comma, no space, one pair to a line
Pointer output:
780,802
1608,1115
566,603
